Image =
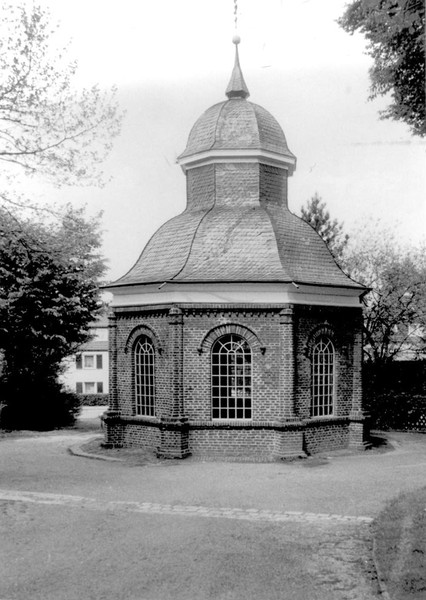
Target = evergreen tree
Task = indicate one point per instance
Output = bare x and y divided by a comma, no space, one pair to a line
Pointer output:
316,214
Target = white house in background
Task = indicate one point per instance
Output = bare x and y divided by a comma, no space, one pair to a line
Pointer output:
87,372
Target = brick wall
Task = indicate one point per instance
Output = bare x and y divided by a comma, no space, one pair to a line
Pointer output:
324,436
340,324
183,338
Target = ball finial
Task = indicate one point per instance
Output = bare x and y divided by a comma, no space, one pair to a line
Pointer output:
236,39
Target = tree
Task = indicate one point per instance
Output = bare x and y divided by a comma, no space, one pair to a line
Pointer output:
395,30
49,261
395,308
316,214
49,293
46,125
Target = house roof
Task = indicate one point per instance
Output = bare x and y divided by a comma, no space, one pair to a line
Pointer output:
95,346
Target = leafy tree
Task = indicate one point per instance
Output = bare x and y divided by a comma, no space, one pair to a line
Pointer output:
49,292
395,30
47,125
395,308
49,262
316,214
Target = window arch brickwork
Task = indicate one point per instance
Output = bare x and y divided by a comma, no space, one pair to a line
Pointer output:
142,330
231,328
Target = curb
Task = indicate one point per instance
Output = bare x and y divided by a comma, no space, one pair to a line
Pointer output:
77,451
380,579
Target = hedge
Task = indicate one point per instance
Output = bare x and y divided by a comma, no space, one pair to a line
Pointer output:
94,399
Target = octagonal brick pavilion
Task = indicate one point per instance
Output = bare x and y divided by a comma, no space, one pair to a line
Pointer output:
236,334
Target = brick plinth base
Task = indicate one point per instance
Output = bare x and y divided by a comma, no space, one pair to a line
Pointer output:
113,429
174,439
289,441
359,432
262,441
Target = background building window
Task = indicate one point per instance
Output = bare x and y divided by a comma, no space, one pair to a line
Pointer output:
322,378
231,363
89,387
88,361
144,357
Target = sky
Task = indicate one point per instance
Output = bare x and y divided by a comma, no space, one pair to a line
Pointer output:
172,60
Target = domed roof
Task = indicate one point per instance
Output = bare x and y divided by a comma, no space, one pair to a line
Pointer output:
236,124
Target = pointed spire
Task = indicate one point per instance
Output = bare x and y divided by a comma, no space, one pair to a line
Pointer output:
237,86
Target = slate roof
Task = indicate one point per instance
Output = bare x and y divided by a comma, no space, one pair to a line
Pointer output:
236,243
236,124
225,244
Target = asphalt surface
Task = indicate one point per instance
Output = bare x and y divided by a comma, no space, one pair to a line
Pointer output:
77,528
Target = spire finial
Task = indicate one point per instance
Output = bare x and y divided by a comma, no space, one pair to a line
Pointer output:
237,86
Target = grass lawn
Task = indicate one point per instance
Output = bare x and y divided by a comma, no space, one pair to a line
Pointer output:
400,542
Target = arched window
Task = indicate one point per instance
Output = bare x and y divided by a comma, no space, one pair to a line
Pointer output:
144,365
322,377
231,364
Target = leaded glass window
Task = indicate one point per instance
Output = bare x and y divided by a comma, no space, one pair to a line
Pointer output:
231,362
144,365
322,378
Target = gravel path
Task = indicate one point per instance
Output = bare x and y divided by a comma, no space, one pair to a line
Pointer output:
75,528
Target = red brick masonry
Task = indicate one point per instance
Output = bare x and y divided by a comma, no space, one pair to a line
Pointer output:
280,337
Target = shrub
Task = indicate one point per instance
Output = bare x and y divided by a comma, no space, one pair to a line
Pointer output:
42,405
94,399
395,395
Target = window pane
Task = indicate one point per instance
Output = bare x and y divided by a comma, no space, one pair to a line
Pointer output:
89,361
89,387
322,378
231,357
144,365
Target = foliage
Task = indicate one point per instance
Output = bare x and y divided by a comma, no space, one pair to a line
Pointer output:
49,276
94,399
47,126
395,32
395,395
395,308
316,214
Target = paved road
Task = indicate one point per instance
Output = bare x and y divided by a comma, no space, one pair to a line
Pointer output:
75,528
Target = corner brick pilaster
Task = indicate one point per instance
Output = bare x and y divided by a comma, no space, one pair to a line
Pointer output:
287,374
358,428
113,427
289,440
113,391
174,442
